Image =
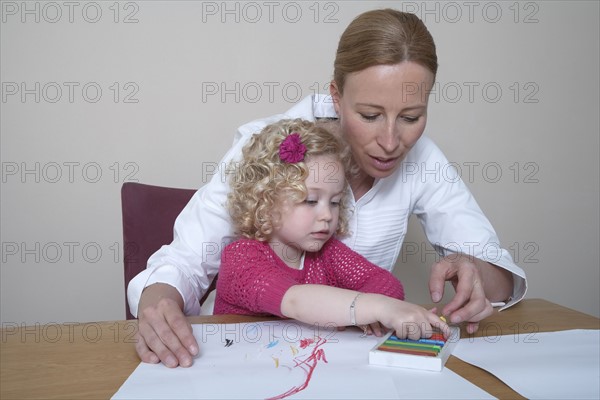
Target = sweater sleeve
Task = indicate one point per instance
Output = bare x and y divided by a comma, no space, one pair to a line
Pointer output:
353,271
251,281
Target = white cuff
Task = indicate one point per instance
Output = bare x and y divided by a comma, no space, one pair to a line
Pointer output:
170,275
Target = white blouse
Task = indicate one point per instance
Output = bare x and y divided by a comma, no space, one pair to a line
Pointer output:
426,184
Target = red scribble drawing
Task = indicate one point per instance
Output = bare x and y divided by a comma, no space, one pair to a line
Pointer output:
308,365
304,343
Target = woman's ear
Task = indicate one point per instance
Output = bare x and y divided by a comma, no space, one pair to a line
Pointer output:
335,96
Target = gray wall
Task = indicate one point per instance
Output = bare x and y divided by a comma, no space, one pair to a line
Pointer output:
98,93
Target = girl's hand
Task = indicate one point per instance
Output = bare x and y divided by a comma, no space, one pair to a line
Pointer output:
374,329
408,320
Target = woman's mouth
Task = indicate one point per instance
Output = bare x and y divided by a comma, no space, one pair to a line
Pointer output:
384,164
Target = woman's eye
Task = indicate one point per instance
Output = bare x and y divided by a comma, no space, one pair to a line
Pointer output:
310,201
369,117
335,203
410,119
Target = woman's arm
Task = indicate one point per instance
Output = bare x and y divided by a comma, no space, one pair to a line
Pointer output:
178,274
476,283
164,334
471,256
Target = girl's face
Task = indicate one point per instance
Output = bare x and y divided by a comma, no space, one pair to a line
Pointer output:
382,114
306,226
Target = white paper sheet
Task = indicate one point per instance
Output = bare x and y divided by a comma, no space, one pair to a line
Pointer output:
283,359
549,365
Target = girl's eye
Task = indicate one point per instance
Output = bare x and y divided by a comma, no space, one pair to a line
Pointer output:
311,201
335,203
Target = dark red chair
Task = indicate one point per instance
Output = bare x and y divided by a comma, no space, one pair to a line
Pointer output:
149,213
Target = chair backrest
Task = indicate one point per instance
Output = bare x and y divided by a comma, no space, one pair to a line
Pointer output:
149,213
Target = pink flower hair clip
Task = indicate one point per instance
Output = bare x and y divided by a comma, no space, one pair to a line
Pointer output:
291,149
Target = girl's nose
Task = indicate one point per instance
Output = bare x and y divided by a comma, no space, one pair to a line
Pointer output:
326,214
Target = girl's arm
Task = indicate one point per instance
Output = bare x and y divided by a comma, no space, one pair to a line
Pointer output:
326,305
353,271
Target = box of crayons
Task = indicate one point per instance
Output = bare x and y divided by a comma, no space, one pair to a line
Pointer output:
426,354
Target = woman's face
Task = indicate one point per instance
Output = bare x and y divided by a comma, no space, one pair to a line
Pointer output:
382,114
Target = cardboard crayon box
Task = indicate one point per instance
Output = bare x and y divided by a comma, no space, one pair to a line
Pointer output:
428,354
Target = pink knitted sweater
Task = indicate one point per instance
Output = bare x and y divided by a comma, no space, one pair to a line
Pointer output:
253,279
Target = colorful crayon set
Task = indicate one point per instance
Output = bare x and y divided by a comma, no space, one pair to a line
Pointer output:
427,354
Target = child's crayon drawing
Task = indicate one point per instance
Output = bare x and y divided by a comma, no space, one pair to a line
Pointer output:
307,363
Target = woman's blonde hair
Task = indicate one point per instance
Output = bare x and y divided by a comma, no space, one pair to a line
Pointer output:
261,178
383,37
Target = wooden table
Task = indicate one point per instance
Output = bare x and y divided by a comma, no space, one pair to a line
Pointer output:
92,360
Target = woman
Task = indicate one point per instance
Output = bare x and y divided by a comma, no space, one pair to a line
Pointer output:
384,69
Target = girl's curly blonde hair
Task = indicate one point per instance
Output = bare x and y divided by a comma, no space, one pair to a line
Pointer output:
261,178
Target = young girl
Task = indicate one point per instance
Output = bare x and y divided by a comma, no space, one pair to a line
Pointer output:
287,201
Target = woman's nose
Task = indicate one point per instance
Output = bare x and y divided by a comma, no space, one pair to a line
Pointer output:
389,139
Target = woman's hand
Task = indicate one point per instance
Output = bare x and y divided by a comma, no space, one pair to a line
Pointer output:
164,333
475,282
